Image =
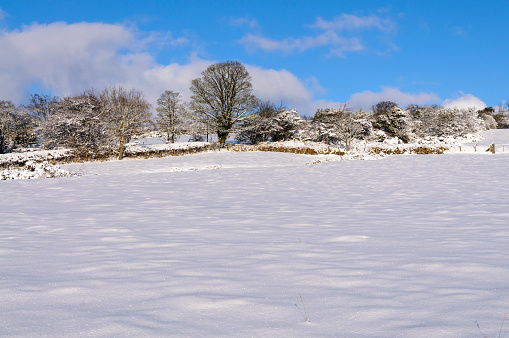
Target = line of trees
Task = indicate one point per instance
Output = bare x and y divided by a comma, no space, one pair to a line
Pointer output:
387,120
94,123
90,123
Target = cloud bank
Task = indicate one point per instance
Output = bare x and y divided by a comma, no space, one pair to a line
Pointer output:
65,59
367,99
464,102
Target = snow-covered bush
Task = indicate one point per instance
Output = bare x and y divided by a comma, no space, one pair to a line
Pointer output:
336,126
269,123
33,170
16,159
288,123
502,119
436,121
395,122
489,122
259,126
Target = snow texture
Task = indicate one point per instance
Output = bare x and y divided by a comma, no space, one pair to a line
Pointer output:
414,246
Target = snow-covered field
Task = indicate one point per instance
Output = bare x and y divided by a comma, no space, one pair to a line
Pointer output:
225,244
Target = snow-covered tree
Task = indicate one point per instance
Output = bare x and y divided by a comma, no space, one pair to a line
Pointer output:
502,115
437,121
336,126
223,94
127,113
349,130
6,112
486,115
78,123
23,130
260,126
502,120
288,124
17,127
392,120
171,114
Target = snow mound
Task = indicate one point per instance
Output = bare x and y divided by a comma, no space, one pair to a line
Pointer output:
35,170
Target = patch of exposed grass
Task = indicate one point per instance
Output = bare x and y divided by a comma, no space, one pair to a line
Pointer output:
294,150
421,150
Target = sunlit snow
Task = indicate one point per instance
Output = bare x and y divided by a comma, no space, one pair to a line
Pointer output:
224,244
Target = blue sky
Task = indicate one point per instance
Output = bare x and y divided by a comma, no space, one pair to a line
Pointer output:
308,54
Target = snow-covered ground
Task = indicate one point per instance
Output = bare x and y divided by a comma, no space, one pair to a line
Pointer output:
226,243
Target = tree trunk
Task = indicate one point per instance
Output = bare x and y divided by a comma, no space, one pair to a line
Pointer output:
222,136
121,149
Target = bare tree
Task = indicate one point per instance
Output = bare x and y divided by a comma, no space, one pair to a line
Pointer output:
127,112
349,130
224,95
198,125
170,115
383,108
42,105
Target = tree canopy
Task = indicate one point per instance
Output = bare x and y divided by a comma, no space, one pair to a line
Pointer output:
224,95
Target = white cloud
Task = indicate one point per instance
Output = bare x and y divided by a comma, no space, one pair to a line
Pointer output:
279,85
367,99
463,102
315,86
352,22
65,59
331,36
251,23
338,44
